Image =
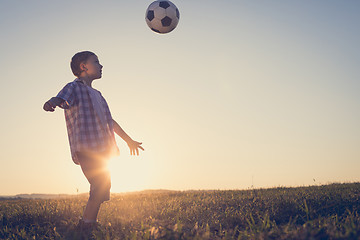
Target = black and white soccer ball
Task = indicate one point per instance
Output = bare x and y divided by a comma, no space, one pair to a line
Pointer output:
162,16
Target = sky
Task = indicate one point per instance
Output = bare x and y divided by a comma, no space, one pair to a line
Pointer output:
242,94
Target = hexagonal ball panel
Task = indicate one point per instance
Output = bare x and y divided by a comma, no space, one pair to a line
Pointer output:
153,5
160,13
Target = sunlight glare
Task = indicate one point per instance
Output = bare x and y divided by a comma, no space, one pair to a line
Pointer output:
130,174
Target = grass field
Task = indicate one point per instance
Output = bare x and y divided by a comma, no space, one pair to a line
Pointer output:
315,212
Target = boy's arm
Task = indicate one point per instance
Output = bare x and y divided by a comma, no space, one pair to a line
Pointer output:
133,145
52,104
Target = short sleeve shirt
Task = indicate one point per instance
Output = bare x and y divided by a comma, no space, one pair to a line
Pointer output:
86,131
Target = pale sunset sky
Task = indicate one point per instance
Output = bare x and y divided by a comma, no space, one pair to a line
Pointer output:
240,94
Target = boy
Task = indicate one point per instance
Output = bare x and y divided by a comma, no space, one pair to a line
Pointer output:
90,130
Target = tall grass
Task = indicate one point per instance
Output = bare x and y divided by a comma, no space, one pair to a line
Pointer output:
317,212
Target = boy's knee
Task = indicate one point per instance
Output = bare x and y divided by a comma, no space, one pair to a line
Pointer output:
100,189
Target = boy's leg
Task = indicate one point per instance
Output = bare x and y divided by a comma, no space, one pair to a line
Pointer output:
91,211
96,172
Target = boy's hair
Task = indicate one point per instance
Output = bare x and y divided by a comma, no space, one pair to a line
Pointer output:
77,59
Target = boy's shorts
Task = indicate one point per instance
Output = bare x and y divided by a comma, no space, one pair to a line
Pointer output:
96,171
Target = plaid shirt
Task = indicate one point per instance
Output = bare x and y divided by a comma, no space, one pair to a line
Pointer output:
85,129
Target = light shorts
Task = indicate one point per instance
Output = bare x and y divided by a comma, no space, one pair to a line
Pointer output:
96,172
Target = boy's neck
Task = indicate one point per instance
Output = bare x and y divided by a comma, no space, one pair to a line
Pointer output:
87,81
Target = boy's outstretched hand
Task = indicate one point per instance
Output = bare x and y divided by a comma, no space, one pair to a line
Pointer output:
134,146
49,107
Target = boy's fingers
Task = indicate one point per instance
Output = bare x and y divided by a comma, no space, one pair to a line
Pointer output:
47,107
134,149
140,146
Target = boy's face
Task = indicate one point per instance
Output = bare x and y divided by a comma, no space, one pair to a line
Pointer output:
92,67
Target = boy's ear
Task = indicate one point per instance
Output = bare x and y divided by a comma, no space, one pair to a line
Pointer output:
83,67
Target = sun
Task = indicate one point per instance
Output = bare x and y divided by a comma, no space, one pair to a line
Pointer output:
130,173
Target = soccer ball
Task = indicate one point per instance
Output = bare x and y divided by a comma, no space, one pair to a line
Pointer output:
162,16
